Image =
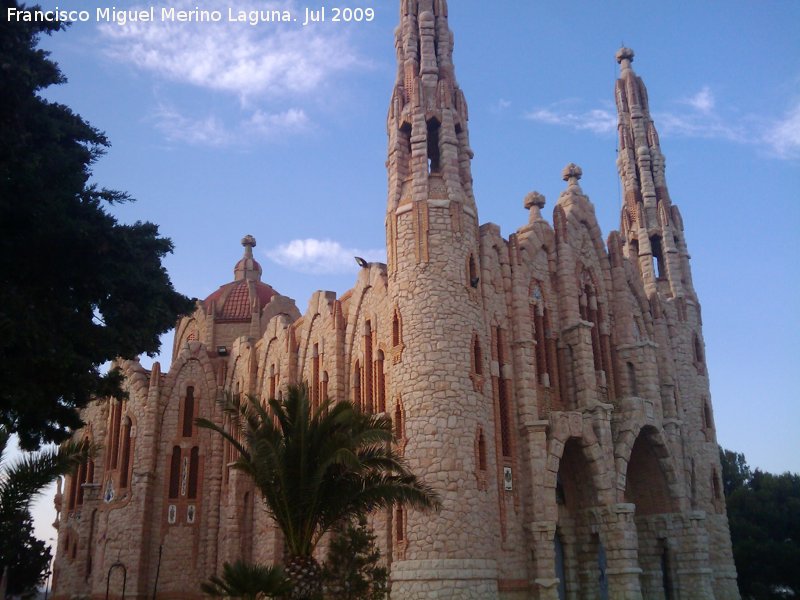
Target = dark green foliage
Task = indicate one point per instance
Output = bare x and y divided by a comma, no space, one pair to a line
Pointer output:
27,558
353,570
317,469
246,581
735,471
77,288
764,516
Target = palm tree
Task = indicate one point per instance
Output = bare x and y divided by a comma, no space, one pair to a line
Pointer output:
21,481
246,581
316,469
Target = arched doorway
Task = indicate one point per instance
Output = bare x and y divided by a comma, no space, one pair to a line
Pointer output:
648,489
580,554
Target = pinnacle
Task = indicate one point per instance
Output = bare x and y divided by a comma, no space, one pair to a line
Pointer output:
534,202
534,199
624,54
249,242
624,58
572,174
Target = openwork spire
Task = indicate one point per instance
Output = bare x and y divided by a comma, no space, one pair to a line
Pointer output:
651,226
427,123
640,161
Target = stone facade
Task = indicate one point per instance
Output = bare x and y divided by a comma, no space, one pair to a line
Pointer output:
550,386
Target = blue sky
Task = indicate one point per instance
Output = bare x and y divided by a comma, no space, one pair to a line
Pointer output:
223,129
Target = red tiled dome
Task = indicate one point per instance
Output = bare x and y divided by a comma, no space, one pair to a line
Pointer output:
234,301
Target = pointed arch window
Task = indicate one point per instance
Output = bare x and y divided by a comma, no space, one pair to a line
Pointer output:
368,399
380,382
405,137
502,395
315,384
175,472
477,355
481,451
227,450
71,491
273,381
698,354
324,386
116,416
591,311
715,485
400,525
708,421
81,477
124,469
545,372
659,270
188,412
434,165
632,384
472,272
399,429
357,385
396,329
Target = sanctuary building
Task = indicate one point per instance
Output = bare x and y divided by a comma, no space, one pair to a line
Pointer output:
552,387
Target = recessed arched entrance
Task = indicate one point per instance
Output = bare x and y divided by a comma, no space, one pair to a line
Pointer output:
647,487
580,563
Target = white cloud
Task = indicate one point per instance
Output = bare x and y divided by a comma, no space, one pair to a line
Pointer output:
268,124
206,131
500,106
321,256
783,137
699,120
271,59
212,131
596,120
702,101
699,125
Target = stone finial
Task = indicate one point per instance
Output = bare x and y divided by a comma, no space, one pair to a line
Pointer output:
534,199
625,57
534,202
249,242
624,54
572,174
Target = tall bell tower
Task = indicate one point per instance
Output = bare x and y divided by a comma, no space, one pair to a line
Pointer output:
653,238
434,282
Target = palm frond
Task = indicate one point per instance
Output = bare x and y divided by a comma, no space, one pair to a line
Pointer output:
316,467
22,480
4,437
248,581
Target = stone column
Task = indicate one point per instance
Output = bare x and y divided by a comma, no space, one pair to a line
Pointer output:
694,573
618,532
545,583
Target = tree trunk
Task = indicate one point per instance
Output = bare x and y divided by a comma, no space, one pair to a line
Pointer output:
305,575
